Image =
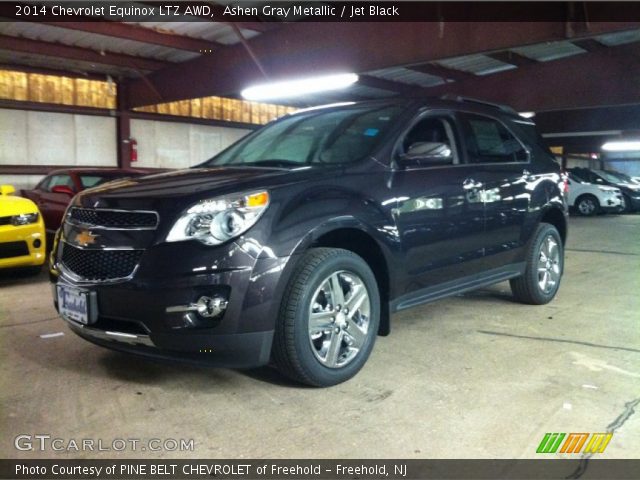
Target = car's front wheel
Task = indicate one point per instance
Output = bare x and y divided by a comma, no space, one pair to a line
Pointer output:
328,318
587,205
544,267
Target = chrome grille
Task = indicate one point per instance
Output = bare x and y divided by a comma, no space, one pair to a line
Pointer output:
100,265
115,219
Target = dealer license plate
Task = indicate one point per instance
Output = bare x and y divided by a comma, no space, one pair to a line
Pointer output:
73,303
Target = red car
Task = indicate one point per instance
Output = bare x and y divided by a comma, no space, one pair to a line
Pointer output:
55,191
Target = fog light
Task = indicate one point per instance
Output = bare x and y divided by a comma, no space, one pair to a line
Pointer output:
211,307
205,307
37,243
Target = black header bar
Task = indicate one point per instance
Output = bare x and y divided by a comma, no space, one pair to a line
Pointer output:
361,11
318,469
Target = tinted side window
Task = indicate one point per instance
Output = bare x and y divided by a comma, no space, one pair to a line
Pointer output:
488,141
58,180
89,181
435,135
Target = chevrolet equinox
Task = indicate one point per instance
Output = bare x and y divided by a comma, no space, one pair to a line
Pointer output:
296,244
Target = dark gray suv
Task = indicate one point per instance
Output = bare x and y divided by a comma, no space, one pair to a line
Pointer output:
295,245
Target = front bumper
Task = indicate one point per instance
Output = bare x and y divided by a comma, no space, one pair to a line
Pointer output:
23,246
243,350
634,202
139,315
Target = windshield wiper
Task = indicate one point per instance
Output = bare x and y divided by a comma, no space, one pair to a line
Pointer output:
270,163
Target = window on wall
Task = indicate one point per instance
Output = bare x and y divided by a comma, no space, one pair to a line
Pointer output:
489,141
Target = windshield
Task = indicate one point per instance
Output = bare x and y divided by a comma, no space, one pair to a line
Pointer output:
612,177
316,137
619,177
93,180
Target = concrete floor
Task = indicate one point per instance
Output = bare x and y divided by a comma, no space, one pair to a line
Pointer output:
475,376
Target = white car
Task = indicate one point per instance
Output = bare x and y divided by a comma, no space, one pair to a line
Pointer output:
589,199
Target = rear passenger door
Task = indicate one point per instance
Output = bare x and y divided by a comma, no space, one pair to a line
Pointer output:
502,166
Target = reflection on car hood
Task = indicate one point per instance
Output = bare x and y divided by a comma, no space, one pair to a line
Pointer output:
12,205
149,191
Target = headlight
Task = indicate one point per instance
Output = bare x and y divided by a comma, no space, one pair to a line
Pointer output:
24,219
220,219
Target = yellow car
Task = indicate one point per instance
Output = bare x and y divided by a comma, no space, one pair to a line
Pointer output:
22,237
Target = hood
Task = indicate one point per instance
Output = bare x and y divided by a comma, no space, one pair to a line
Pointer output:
183,187
11,205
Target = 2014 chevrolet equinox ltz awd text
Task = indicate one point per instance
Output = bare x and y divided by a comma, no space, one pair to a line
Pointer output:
296,244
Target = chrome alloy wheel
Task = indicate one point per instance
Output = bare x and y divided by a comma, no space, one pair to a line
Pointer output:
339,317
548,264
587,206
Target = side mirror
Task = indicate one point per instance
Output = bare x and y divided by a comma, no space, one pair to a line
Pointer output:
427,153
7,189
63,189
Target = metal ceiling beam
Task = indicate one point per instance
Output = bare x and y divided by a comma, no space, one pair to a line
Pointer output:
139,34
302,49
305,48
52,71
589,44
384,84
593,79
512,58
81,54
442,72
623,117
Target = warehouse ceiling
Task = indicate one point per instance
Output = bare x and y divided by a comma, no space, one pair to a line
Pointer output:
190,59
533,66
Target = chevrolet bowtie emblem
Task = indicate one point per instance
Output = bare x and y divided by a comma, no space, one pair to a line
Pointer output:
85,237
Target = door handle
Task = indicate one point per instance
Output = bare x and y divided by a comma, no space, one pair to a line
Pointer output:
470,183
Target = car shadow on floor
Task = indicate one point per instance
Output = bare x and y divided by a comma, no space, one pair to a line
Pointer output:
21,276
489,294
155,371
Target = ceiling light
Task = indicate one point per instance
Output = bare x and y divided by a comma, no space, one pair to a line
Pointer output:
622,146
296,88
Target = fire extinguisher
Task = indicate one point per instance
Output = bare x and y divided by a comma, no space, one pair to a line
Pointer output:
133,143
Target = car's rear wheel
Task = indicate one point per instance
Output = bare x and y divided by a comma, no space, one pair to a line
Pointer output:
544,267
328,318
587,205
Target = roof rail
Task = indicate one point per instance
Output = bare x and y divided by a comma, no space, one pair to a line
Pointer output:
460,98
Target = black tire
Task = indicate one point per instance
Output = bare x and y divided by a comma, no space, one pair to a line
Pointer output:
587,205
627,204
527,288
294,353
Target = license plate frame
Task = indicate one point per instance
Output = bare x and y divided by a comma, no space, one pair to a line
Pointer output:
77,304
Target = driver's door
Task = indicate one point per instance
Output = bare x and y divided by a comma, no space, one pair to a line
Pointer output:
439,213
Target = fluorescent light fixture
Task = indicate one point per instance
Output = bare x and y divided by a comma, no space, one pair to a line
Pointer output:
296,88
622,146
527,114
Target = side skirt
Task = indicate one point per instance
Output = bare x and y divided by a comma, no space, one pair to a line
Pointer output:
455,287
